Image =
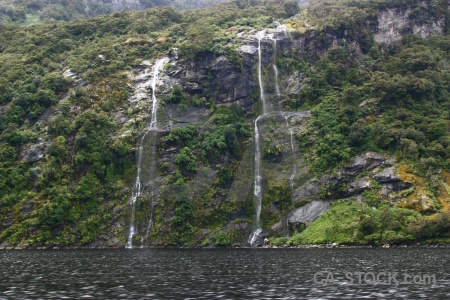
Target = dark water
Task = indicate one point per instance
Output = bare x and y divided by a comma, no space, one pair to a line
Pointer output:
224,274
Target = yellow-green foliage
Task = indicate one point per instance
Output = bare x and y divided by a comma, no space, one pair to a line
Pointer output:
352,222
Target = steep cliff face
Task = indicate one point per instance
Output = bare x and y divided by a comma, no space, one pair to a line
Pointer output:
217,76
284,169
393,23
202,147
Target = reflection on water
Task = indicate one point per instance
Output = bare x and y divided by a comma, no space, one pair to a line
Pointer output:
218,273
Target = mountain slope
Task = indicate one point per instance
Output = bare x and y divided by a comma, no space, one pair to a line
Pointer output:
47,11
357,109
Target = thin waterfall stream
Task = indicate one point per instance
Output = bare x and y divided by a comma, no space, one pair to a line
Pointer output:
294,165
139,183
277,84
260,80
257,188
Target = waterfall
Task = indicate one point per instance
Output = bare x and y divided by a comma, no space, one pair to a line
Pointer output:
294,166
260,80
267,107
277,83
158,65
257,190
280,26
138,186
254,236
275,69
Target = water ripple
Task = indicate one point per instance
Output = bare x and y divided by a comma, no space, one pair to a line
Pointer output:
217,273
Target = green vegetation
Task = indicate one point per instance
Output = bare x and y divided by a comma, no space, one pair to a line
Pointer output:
393,101
221,134
68,196
351,222
202,146
26,12
356,223
349,14
387,102
220,239
66,155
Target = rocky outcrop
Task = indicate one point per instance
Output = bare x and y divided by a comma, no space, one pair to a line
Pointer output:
361,174
34,153
394,23
387,175
309,212
226,82
366,161
359,185
348,182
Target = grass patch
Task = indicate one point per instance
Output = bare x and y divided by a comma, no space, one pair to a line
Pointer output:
357,223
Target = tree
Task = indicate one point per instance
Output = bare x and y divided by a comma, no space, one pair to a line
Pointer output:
59,149
186,160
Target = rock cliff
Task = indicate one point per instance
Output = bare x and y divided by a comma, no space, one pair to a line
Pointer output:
202,148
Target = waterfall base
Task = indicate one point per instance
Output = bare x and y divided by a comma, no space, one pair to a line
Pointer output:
257,237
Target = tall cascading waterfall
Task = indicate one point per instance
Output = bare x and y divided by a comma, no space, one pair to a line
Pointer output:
294,165
257,184
267,109
146,154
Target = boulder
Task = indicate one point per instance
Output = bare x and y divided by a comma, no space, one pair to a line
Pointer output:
387,175
309,212
359,185
34,153
310,189
365,161
257,237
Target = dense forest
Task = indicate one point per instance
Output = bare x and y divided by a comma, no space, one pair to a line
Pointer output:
28,12
68,130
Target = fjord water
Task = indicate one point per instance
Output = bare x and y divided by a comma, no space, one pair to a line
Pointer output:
217,273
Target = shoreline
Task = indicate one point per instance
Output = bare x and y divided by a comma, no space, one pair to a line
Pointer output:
312,246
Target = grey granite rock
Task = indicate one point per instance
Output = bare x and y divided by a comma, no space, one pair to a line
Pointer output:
309,212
